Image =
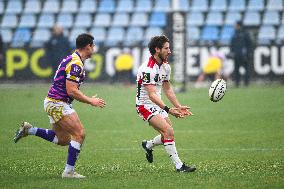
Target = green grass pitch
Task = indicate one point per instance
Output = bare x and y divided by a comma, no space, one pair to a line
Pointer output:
235,143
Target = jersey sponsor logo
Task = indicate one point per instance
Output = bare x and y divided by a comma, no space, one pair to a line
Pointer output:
75,70
157,78
146,77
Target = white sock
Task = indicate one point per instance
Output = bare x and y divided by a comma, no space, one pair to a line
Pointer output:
68,168
157,140
170,148
73,146
32,130
55,140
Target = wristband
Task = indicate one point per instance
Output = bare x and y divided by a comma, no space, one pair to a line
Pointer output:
167,109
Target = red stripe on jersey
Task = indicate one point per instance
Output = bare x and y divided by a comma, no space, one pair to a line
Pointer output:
143,111
151,62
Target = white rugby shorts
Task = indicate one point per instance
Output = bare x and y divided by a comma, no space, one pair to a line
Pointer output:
56,109
146,112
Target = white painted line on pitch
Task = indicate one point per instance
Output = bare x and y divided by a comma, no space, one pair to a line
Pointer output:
189,131
200,149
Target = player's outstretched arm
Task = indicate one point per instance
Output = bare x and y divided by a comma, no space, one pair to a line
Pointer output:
74,92
185,110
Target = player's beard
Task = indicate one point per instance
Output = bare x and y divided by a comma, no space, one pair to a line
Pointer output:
161,57
164,59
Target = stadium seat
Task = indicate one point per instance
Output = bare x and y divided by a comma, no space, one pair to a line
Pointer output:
2,5
46,20
88,6
106,6
182,5
275,5
255,5
214,18
158,19
74,33
51,6
150,32
102,20
83,20
9,21
65,20
8,35
162,6
218,5
120,19
209,34
115,36
271,18
125,6
280,34
27,20
21,37
232,18
193,35
237,5
134,36
226,34
69,6
40,36
195,19
32,6
252,18
139,19
99,34
266,35
143,6
199,5
14,6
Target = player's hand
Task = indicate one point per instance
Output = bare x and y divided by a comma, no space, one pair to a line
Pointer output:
175,112
185,111
98,102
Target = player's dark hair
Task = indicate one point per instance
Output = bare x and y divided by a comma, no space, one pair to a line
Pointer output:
157,41
83,40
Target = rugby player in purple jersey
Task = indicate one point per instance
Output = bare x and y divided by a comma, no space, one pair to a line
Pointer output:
67,128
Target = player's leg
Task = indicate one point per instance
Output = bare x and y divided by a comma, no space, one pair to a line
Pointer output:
72,125
64,138
55,111
165,129
147,112
163,125
28,129
148,146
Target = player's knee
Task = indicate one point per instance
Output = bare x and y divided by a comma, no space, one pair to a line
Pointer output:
168,133
80,136
63,143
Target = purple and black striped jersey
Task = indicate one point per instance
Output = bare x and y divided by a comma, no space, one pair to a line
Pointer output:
71,68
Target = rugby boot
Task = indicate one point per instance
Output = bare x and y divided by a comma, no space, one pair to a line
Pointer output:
22,131
149,152
72,174
185,169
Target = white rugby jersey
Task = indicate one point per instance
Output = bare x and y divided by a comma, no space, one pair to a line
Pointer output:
150,73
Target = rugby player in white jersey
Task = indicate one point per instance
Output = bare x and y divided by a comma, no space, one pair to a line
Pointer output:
67,128
152,77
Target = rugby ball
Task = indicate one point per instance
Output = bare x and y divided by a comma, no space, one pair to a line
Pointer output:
217,90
